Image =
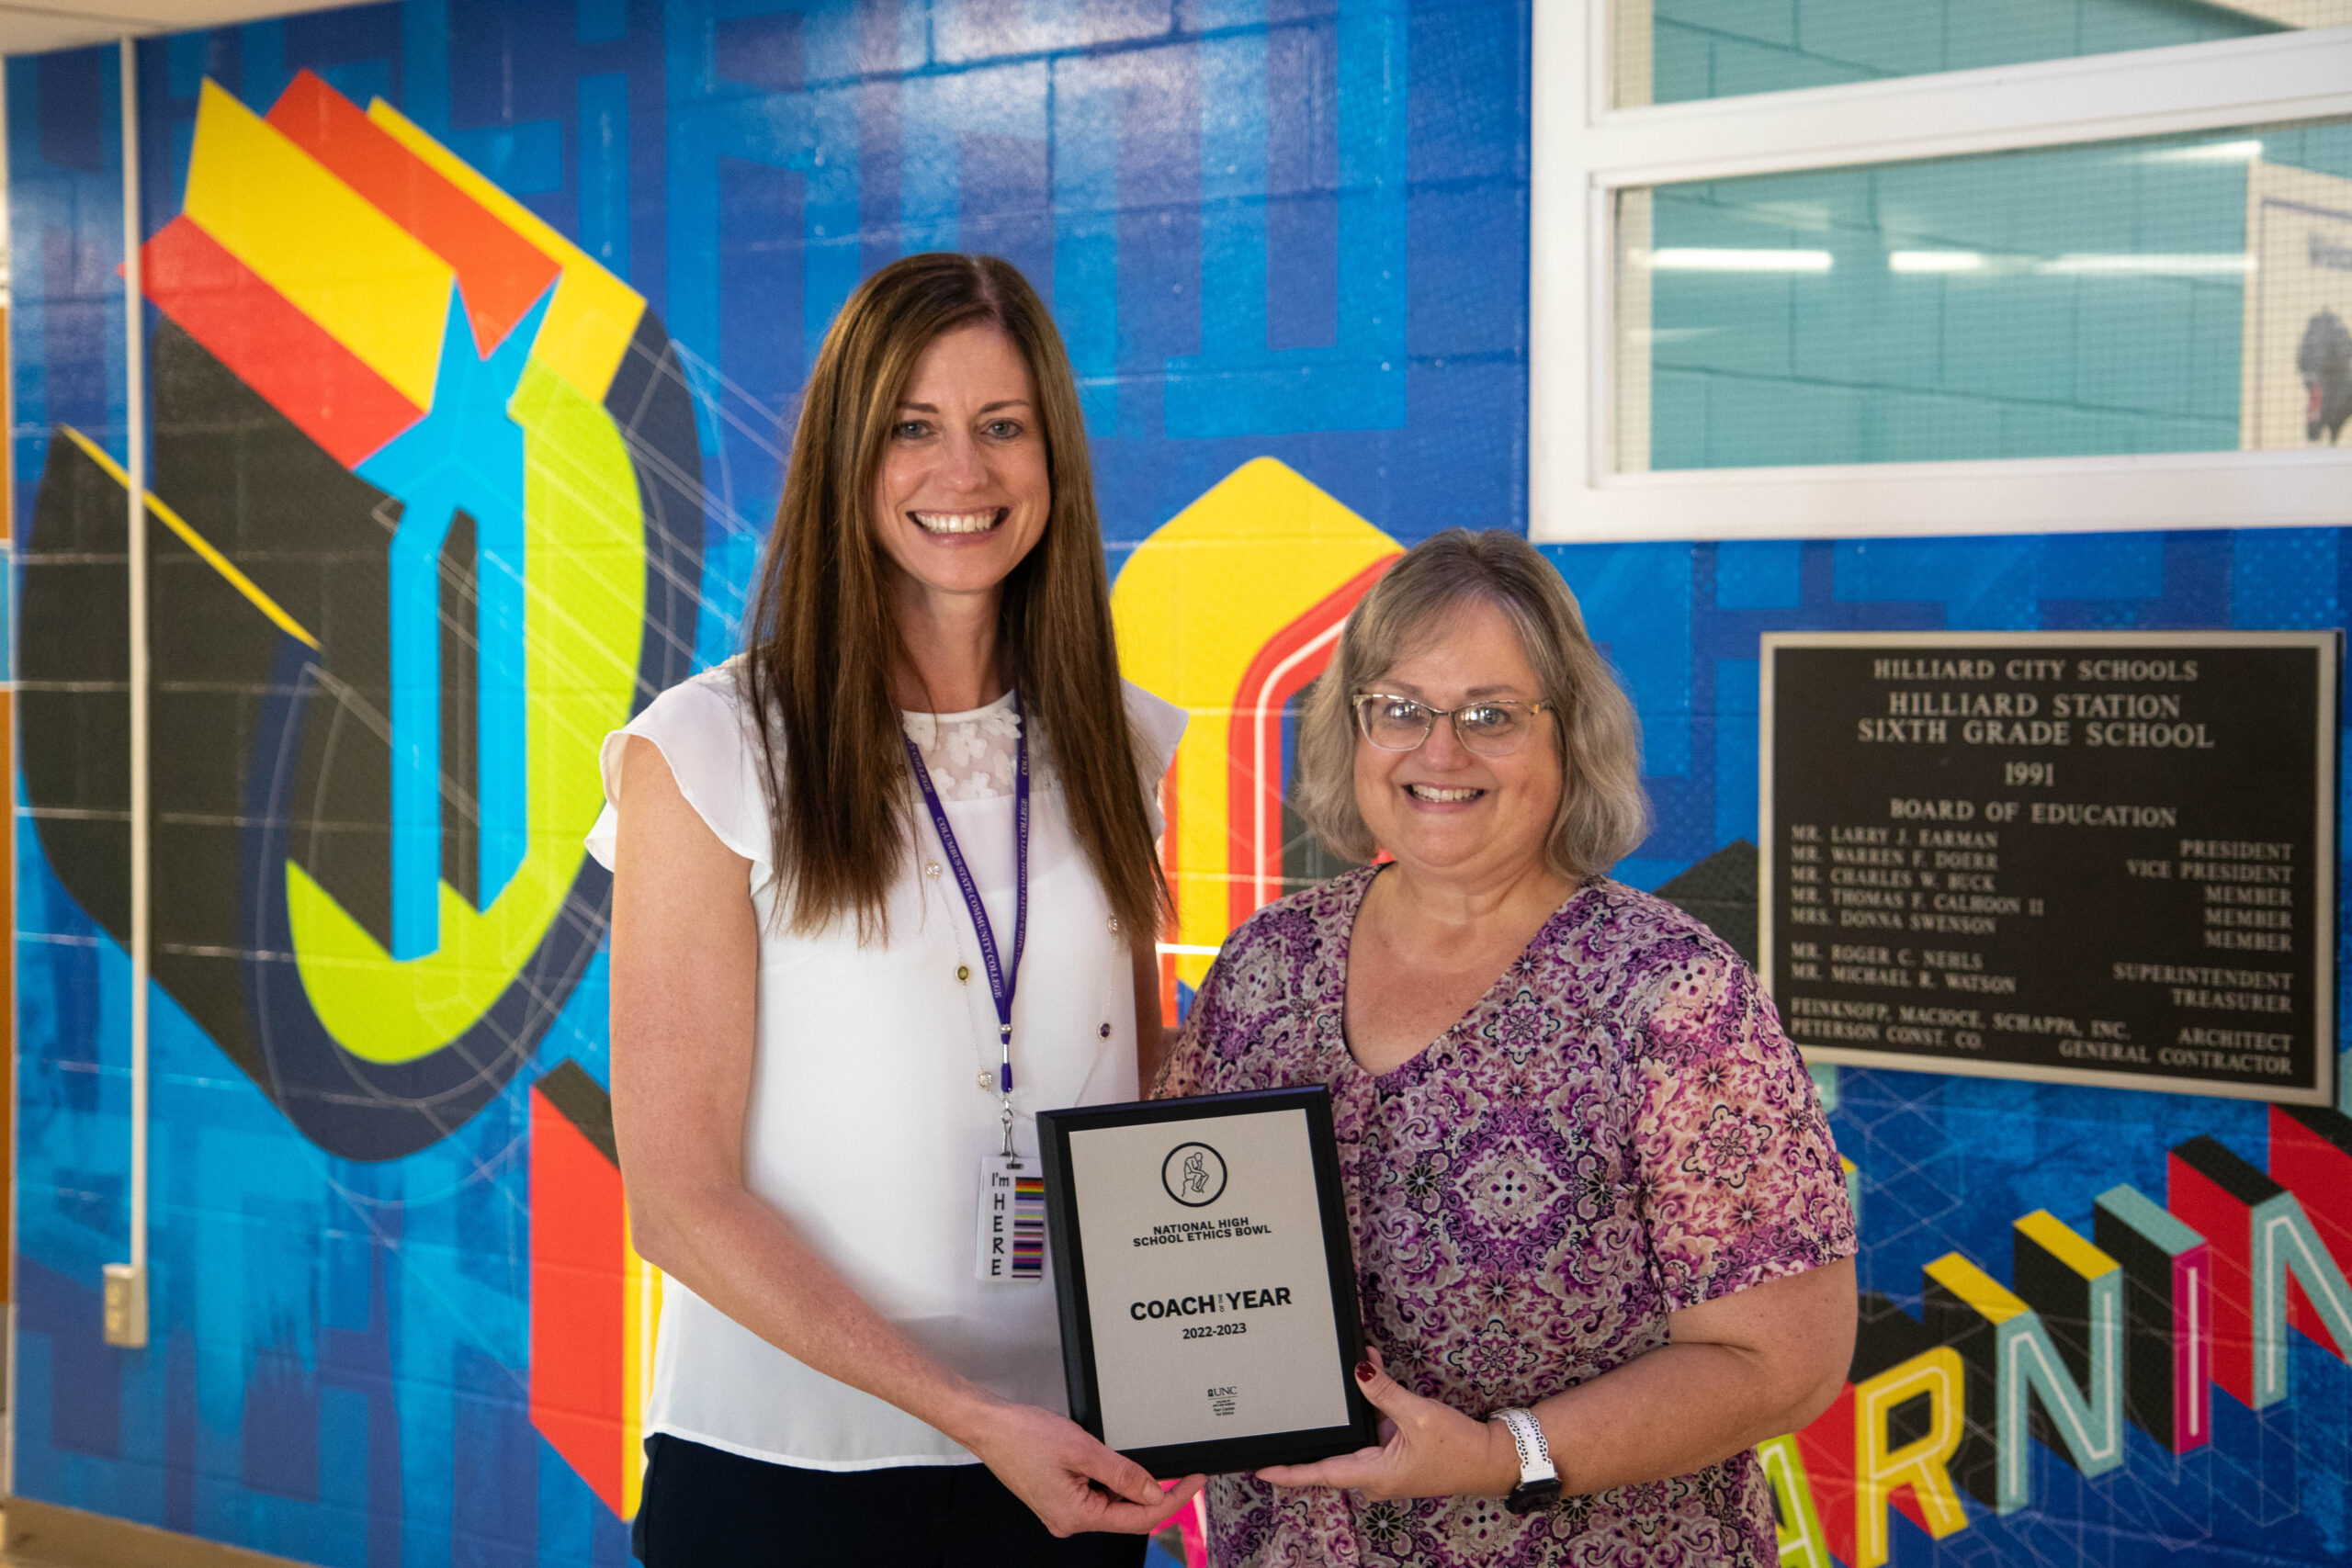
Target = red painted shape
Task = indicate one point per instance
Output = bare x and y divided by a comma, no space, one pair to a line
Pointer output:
500,273
1827,1446
302,371
2192,1318
2311,1155
1253,820
2225,1222
579,1300
1904,1500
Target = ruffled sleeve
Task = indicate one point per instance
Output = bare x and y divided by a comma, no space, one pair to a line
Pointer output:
705,735
1159,726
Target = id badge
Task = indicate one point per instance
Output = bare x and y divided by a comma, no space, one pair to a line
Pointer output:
1011,1240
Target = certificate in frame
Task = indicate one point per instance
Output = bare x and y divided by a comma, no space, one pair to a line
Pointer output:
1205,1279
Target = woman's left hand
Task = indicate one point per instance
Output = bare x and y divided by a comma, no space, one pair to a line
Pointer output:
1427,1450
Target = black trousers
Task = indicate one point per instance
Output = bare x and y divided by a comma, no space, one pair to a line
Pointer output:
706,1508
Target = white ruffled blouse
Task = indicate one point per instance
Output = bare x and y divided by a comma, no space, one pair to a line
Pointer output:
873,1094
971,755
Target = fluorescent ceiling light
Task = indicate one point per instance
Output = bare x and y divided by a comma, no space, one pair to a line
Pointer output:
2242,151
1740,261
2120,263
1934,261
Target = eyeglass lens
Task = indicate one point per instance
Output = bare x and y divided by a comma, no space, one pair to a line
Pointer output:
1397,724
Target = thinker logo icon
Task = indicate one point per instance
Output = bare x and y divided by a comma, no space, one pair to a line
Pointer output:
1193,1175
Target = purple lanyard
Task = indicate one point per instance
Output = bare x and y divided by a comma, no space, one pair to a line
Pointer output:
1002,977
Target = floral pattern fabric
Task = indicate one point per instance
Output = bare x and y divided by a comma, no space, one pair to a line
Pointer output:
971,755
1616,1131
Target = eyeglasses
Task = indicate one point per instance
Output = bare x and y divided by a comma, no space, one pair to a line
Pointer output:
1485,729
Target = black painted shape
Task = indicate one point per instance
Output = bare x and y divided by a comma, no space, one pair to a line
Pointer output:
1976,1464
1722,891
2208,1158
1886,1337
2323,1122
582,1101
317,539
211,651
460,712
2063,1299
2149,1315
73,674
1910,1421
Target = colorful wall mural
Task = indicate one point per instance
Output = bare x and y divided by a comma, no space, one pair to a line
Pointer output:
475,327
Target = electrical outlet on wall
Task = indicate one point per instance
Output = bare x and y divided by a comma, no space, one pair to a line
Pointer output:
126,1304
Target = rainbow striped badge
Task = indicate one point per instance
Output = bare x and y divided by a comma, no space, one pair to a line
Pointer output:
1010,1243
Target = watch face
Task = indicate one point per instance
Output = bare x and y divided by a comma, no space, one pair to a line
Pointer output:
1530,1495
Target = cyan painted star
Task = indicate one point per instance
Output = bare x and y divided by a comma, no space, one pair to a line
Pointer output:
465,454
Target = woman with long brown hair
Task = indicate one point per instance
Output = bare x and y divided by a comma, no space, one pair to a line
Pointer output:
884,886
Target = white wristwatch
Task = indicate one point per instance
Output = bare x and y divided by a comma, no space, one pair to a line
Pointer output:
1539,1482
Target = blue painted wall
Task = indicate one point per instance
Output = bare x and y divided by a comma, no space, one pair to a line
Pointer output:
1292,228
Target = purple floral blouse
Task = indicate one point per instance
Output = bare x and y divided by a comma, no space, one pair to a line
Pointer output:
1616,1131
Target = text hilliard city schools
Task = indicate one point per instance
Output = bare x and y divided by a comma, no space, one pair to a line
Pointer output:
2044,857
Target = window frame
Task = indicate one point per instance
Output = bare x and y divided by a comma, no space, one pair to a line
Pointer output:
1582,152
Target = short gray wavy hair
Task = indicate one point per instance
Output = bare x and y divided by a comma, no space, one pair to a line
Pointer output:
1604,813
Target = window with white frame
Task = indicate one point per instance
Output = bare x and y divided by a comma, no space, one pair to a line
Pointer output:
2101,278
1666,51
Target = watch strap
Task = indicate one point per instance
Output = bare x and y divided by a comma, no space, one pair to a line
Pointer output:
1535,1465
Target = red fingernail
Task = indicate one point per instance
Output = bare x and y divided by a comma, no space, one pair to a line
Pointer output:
1363,1371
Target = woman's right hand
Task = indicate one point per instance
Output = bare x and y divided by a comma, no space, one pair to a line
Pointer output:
1069,1478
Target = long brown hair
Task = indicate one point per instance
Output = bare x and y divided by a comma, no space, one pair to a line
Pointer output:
821,640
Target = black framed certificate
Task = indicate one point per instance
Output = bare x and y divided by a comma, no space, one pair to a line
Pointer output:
1205,1279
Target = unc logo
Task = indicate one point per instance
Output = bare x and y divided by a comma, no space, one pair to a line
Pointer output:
1193,1175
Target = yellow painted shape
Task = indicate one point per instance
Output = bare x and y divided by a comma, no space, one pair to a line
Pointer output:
1991,1299
195,541
2051,1233
584,627
368,282
1921,1464
1802,1543
1193,606
593,315
641,1321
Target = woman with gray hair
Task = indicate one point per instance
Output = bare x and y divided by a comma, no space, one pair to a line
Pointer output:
1601,1237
